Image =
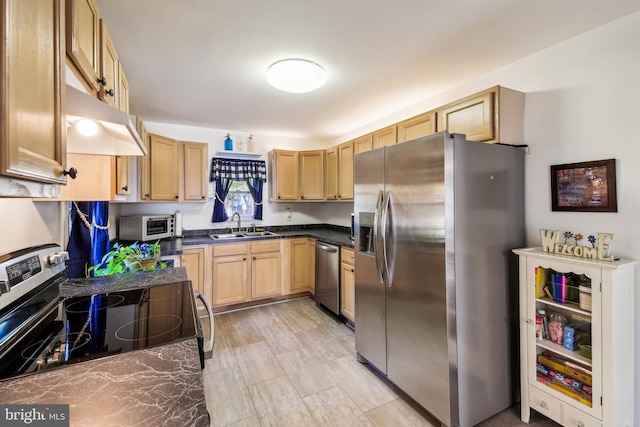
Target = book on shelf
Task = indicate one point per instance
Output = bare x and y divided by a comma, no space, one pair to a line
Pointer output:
566,390
554,362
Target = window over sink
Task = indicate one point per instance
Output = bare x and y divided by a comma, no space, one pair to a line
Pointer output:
239,200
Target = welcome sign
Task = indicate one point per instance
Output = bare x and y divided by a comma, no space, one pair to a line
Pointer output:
599,250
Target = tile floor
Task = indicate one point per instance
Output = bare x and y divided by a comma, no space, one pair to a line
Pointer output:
290,364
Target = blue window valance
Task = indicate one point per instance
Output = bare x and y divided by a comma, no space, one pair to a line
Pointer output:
238,170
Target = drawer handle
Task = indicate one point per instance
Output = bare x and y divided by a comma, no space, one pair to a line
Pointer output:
544,405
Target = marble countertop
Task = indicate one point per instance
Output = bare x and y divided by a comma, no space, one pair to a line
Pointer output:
158,386
333,235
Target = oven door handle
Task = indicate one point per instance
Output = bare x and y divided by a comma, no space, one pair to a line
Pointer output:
208,347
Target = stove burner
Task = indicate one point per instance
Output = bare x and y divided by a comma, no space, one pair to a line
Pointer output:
155,327
111,301
73,340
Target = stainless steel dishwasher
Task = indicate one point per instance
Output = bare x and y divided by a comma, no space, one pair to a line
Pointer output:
328,276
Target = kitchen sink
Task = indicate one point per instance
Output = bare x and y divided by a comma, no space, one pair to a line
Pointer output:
241,235
259,234
226,236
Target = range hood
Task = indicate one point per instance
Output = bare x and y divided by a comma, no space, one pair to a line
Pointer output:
116,135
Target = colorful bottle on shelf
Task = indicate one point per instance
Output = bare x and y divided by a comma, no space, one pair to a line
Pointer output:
228,143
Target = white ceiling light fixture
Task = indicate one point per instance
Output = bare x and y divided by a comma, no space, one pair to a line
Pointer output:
296,75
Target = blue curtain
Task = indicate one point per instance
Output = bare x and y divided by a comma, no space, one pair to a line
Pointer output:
79,246
224,171
88,237
222,189
255,188
100,244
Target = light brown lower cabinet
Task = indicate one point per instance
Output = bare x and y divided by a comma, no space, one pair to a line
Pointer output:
347,284
266,269
230,275
195,259
243,272
301,263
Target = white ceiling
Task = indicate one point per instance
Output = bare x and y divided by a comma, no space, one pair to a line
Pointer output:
203,62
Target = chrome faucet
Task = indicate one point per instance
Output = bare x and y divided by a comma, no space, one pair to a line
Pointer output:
239,223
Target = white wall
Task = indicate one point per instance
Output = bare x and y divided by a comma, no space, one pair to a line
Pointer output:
197,215
25,223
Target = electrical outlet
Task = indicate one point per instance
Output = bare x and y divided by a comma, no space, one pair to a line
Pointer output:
289,214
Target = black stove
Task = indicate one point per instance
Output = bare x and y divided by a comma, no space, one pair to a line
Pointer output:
42,329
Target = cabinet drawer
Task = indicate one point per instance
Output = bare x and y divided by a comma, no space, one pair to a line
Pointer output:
545,404
229,249
575,418
347,255
269,246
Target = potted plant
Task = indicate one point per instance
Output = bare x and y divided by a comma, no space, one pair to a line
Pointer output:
128,258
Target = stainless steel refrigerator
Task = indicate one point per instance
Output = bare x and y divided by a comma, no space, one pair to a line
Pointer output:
435,220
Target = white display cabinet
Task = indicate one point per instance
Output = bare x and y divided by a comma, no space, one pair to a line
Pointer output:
559,379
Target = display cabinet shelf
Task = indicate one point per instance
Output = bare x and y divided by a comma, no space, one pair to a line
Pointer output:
557,380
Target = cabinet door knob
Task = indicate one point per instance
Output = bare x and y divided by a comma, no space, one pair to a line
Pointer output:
544,405
110,92
72,172
203,197
177,197
147,195
529,321
102,81
352,270
125,188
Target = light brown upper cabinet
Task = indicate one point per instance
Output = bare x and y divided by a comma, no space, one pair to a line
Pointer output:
331,174
165,159
364,143
83,41
173,170
123,90
339,172
123,163
345,171
493,115
415,127
93,57
144,163
311,175
94,181
285,178
384,137
123,175
32,138
196,156
109,67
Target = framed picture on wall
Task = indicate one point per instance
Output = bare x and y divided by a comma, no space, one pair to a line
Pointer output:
584,187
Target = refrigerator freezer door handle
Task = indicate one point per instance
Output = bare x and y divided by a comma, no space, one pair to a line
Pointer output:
383,227
376,231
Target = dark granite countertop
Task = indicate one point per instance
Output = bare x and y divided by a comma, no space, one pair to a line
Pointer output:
142,279
159,386
335,235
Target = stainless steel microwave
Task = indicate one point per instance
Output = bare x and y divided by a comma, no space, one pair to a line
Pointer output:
146,227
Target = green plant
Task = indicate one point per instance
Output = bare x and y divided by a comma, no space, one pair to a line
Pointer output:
127,258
